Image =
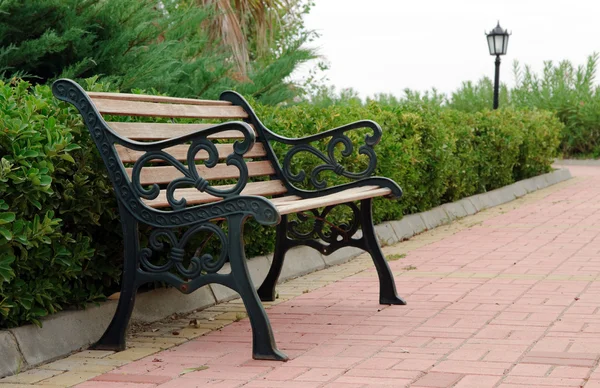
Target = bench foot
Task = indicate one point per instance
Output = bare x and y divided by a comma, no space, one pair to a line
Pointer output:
269,355
263,342
387,286
394,300
114,336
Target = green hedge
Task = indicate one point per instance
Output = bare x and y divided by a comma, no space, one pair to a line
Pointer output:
436,156
59,233
58,244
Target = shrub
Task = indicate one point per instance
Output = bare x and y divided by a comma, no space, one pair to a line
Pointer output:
59,233
436,155
572,93
57,213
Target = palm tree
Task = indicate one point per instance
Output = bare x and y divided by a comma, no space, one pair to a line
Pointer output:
235,20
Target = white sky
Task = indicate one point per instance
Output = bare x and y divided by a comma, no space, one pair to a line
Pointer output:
388,45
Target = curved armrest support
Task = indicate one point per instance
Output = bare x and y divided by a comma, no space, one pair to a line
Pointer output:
337,136
199,142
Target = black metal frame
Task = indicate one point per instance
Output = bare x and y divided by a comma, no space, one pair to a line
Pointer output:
178,225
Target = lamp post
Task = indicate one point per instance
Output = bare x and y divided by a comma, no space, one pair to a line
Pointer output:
497,43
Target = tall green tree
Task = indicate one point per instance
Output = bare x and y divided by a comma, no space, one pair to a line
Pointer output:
169,45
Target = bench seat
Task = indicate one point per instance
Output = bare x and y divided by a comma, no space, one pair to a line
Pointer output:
284,205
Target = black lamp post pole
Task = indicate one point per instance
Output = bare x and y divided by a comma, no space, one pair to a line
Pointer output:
497,82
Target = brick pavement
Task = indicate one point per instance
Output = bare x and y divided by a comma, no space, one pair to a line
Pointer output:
505,298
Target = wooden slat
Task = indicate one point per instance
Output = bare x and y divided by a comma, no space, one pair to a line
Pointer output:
287,199
332,199
150,98
194,197
285,205
135,108
161,131
180,152
165,174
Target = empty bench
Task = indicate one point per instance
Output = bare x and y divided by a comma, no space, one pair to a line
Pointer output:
178,179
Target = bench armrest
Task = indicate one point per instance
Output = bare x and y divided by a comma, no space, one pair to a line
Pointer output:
337,136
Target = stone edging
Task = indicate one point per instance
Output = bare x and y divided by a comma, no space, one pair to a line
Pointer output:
24,347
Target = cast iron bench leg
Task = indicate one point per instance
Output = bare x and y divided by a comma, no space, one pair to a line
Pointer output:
263,342
267,290
387,287
114,336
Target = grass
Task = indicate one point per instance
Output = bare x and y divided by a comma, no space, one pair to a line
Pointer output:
239,317
396,256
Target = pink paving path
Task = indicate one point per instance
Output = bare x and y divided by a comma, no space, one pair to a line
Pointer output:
540,330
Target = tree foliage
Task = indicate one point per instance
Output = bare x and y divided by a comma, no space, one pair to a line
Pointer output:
170,45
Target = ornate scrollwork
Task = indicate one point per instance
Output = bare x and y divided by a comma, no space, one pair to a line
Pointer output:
260,208
191,177
330,162
336,233
205,263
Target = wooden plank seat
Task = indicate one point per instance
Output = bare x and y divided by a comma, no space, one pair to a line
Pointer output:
179,175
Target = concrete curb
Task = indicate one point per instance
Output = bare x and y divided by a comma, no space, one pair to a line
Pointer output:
577,162
24,347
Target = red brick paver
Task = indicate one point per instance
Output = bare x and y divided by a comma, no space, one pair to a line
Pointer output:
512,301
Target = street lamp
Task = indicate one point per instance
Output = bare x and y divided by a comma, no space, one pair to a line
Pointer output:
497,43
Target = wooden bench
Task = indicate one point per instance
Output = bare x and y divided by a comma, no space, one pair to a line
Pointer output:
163,175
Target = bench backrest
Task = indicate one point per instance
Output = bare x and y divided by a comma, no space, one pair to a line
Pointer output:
121,104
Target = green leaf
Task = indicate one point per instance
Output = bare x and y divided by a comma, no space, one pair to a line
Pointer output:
67,157
6,233
72,147
26,301
6,272
45,180
29,154
7,217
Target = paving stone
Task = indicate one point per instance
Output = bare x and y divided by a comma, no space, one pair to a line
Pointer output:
416,222
530,185
505,194
38,344
435,217
385,234
160,303
342,255
132,354
540,182
11,360
300,261
403,229
69,379
518,189
454,210
468,206
31,376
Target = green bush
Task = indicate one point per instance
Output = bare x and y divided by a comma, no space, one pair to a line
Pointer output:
573,94
59,232
58,244
436,155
